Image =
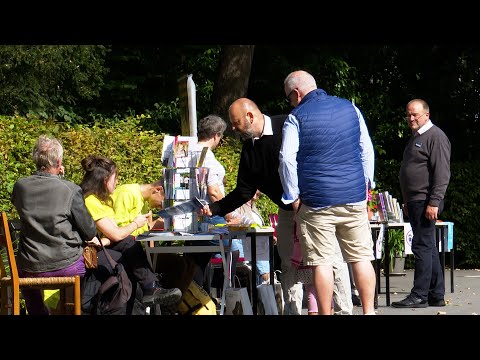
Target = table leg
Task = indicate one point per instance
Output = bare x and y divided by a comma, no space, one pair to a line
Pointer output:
151,256
254,272
376,262
444,238
226,276
387,266
270,255
452,269
441,245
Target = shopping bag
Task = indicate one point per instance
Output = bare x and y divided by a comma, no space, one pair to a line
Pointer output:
237,302
266,304
305,275
196,301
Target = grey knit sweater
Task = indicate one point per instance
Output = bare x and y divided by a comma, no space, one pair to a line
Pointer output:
425,168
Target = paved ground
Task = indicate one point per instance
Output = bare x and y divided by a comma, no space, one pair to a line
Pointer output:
465,300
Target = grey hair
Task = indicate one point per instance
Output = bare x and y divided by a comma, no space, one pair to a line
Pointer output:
301,80
47,152
209,126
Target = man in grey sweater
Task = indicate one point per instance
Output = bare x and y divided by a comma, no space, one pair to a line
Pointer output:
424,178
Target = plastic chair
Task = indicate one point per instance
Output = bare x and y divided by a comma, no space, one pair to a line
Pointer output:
10,285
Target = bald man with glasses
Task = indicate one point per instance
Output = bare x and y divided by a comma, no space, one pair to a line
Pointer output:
424,178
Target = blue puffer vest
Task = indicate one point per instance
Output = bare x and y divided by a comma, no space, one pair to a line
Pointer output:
330,168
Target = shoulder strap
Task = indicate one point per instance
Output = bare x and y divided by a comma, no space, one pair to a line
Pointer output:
110,260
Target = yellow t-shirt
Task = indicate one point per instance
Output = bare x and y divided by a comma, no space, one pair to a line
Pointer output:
98,209
128,203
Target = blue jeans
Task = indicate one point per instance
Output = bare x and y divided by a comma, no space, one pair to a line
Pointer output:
263,267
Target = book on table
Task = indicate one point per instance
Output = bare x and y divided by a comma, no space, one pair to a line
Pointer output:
382,208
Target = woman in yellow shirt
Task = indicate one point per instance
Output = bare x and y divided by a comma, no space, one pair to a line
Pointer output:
99,182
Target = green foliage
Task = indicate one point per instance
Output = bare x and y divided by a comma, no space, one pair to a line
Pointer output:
266,207
165,117
462,206
17,137
46,81
228,154
396,245
135,151
144,80
202,63
386,177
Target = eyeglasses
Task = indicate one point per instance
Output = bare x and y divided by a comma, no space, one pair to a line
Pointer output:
415,117
288,96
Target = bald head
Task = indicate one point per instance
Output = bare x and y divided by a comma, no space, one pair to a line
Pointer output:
301,81
246,118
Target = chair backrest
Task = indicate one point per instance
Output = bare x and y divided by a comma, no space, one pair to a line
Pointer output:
3,271
6,241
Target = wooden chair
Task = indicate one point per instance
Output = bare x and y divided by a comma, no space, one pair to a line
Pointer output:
11,284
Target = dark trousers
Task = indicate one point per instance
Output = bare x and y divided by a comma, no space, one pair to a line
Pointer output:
428,280
132,256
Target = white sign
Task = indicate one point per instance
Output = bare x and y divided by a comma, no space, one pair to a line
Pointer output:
408,236
379,242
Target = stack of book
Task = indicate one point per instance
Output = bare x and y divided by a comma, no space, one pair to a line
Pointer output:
389,209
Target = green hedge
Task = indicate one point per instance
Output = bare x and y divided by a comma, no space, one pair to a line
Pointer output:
136,152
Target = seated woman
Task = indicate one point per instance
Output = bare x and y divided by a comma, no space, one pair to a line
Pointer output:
98,184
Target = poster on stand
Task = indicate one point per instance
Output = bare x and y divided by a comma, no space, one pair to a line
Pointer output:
176,151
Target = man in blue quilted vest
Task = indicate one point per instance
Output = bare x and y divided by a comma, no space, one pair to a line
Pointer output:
323,178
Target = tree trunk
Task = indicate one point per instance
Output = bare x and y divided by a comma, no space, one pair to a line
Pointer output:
232,81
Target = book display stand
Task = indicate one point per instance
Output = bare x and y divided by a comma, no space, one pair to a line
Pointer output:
185,184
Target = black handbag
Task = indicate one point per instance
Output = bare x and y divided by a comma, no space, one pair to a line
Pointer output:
115,292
